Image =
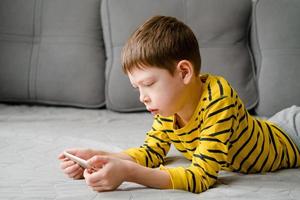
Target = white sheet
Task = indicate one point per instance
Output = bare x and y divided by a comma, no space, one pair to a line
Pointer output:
32,136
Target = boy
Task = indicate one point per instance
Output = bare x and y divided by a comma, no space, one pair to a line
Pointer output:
201,115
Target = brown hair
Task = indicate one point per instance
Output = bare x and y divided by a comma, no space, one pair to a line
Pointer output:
161,42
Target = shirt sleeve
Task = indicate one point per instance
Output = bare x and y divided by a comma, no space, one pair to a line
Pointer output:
155,148
211,153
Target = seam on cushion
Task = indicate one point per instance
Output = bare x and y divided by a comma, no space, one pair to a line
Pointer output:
252,61
31,53
35,49
39,30
256,38
109,66
250,38
109,34
251,50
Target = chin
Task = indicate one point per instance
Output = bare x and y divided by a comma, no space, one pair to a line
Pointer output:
166,114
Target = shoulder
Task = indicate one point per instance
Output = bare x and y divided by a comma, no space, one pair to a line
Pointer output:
218,97
216,87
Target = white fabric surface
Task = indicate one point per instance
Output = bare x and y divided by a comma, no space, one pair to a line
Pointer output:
32,136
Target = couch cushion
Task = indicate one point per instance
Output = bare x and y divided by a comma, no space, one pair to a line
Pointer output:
277,31
220,27
51,52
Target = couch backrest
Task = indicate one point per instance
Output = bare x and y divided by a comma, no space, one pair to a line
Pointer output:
276,34
52,52
221,28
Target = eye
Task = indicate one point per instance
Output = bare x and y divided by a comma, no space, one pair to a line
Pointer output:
149,84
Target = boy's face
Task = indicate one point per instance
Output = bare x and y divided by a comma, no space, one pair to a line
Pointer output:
160,91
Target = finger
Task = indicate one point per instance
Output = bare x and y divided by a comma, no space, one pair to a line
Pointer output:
63,160
73,174
72,169
66,159
86,173
98,161
101,188
97,184
92,170
66,163
94,178
77,174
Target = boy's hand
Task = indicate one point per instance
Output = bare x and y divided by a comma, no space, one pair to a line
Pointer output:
110,174
69,167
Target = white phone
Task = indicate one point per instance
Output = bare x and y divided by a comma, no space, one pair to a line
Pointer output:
83,163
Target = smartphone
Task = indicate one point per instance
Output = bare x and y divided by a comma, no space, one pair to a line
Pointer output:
83,163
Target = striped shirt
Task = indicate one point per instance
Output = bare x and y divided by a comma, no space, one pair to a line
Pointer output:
221,135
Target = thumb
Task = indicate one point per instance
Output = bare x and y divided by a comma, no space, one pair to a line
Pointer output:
98,161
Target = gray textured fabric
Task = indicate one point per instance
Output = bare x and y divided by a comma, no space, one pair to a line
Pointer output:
289,120
220,27
52,52
277,27
32,137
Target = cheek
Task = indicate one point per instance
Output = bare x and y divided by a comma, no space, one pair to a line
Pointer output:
167,94
167,97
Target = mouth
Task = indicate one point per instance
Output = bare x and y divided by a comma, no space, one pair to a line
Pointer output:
153,111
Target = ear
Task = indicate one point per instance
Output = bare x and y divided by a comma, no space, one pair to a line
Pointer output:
185,70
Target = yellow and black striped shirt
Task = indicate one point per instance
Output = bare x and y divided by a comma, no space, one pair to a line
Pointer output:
221,135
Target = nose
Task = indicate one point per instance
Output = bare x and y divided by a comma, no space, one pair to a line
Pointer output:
144,98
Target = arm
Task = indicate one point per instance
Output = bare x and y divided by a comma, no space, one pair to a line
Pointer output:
111,172
116,168
151,154
149,177
155,148
73,170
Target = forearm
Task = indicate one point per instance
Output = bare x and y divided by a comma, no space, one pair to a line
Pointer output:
149,177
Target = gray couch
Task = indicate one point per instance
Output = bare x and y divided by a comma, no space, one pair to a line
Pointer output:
65,55
67,52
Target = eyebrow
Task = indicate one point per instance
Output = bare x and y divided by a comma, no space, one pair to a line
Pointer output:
143,80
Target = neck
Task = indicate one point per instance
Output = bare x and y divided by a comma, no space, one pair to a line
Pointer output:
193,94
